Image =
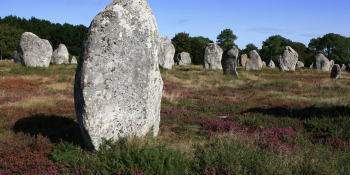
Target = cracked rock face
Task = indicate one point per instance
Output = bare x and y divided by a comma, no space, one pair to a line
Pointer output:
183,58
321,62
167,52
33,51
336,72
229,61
118,87
60,55
212,55
254,61
288,59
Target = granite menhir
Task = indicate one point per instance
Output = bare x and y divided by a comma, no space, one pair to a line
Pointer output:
118,87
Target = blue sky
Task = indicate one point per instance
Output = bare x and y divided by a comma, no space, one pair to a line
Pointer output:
252,21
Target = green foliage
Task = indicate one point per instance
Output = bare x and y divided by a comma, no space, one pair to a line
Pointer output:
197,45
273,46
30,70
9,38
226,39
249,47
182,43
67,34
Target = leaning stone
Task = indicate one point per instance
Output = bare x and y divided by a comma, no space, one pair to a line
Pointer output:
74,60
16,57
166,54
300,64
321,62
243,59
271,64
33,51
183,58
229,61
343,67
254,61
336,72
60,55
288,59
211,56
118,86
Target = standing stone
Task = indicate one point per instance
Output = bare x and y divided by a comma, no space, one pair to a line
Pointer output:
336,72
331,64
16,57
74,60
254,61
118,87
243,59
300,64
33,51
183,58
312,65
343,67
211,56
229,61
60,55
264,64
288,59
321,62
271,64
166,54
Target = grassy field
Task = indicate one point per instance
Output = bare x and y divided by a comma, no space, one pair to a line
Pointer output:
276,123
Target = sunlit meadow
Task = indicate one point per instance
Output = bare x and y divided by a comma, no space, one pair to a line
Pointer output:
262,122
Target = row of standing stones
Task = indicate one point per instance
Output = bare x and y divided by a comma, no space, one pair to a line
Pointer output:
118,86
35,52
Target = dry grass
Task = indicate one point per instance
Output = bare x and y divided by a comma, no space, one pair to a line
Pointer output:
59,86
37,101
173,97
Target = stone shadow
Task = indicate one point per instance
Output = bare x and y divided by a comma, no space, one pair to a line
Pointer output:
56,128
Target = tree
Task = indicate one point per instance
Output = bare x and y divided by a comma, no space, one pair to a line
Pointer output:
197,45
182,43
9,38
249,47
273,46
226,39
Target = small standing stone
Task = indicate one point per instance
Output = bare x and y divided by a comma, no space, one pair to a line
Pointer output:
183,58
74,60
254,61
321,62
212,55
271,64
300,64
312,65
229,61
336,72
243,59
166,54
60,55
343,67
264,64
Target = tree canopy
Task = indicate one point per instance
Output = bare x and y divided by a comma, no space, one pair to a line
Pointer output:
273,46
249,47
9,38
226,39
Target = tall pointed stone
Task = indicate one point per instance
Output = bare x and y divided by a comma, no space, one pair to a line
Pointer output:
118,86
229,61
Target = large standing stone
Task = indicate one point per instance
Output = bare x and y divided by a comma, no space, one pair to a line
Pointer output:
243,59
271,64
211,56
254,61
336,72
183,58
300,64
166,54
16,57
74,60
60,55
288,59
229,61
33,51
118,87
321,62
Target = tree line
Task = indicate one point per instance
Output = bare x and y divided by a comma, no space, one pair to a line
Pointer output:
333,46
12,27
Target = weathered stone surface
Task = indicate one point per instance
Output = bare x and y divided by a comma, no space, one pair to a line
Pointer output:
183,58
60,55
288,59
74,60
321,62
336,72
312,65
271,64
254,61
243,59
343,67
264,64
118,87
166,54
229,61
16,57
211,56
331,64
300,64
33,51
